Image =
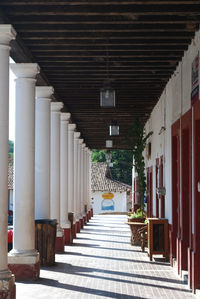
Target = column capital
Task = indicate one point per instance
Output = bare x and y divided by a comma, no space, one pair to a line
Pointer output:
65,116
80,141
83,145
86,148
72,127
44,91
7,33
77,135
25,70
56,106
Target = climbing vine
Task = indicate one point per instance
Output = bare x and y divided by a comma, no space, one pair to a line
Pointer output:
137,139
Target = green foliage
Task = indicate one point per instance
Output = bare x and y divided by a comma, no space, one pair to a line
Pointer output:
138,214
137,139
122,164
98,156
11,146
11,152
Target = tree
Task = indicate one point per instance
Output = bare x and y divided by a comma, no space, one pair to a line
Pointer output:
122,164
137,139
11,151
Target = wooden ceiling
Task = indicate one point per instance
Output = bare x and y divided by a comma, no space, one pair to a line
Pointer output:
79,43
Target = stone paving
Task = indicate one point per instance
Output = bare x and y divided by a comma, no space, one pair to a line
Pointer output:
101,263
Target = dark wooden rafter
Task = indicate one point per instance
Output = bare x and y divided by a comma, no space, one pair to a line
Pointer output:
81,43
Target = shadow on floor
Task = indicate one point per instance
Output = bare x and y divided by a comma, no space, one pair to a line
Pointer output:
78,289
163,263
78,270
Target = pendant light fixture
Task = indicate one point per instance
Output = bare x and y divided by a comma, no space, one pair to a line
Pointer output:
107,93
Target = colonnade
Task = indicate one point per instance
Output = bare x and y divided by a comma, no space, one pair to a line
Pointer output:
51,169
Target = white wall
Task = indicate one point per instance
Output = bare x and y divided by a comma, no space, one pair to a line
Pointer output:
101,205
174,102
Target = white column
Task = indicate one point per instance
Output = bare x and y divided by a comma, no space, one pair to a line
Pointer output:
7,33
64,170
83,180
71,128
42,152
55,162
86,177
76,171
89,178
80,178
24,160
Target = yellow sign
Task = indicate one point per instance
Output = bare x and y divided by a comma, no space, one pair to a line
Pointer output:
108,195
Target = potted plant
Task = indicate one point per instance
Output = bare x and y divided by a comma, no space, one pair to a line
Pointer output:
137,139
138,216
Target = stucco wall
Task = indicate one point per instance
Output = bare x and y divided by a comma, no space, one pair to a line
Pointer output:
117,204
174,102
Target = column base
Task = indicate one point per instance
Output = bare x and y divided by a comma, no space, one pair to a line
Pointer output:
74,231
7,287
67,234
60,241
84,220
24,266
81,222
87,217
78,225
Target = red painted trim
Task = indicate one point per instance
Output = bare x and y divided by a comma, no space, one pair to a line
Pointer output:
25,272
85,219
82,222
150,192
11,294
60,244
162,200
74,231
157,185
78,226
196,219
175,187
67,233
186,190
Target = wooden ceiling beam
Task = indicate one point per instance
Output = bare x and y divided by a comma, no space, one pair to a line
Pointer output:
102,2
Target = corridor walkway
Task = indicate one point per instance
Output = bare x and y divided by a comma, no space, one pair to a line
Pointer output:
102,264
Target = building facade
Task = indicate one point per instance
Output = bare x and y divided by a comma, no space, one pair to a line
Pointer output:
172,160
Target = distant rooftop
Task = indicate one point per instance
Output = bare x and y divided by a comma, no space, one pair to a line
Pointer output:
102,179
10,177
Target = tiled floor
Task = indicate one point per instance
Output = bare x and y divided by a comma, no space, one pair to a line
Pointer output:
102,264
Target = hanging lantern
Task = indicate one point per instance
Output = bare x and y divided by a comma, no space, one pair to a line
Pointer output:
114,130
107,97
109,143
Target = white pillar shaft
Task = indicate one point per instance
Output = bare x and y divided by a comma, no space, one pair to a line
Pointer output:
71,128
89,179
42,154
55,162
76,171
83,180
64,170
75,176
24,158
85,175
4,120
79,178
